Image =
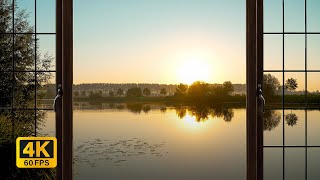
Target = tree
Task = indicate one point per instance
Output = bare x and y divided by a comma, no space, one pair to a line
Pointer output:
111,93
270,85
181,89
199,91
120,92
291,84
146,91
163,91
228,87
291,119
83,93
134,92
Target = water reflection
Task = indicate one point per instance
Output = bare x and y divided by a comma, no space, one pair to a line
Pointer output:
291,119
272,119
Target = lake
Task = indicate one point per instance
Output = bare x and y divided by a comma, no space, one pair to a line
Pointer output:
152,142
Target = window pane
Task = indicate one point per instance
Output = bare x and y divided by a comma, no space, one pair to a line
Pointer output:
313,46
46,90
295,163
294,15
24,51
24,93
46,52
46,12
6,16
294,127
313,128
273,52
273,128
294,52
6,52
294,94
272,16
313,15
273,169
313,163
24,16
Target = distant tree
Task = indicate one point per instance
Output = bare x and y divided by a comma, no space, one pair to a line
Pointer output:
111,93
163,91
76,93
83,93
95,95
134,92
228,87
291,84
270,85
146,91
120,92
199,90
181,89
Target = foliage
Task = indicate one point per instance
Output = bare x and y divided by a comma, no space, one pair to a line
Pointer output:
134,92
146,91
291,119
120,92
291,84
270,86
271,120
198,91
163,91
76,93
111,93
181,90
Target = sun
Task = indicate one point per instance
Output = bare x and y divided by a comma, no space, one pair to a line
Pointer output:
193,70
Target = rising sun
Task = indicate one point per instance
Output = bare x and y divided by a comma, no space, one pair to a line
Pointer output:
193,70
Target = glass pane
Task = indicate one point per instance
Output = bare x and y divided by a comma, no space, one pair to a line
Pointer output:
313,15
273,128
24,16
24,123
24,93
273,52
47,123
273,169
294,127
46,47
313,88
6,52
272,16
294,85
294,15
313,163
6,16
6,88
295,163
313,46
272,89
294,52
313,128
24,50
46,12
46,90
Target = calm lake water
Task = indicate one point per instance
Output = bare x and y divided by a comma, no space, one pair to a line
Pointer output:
148,142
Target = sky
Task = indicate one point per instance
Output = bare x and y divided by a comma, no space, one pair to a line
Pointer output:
173,41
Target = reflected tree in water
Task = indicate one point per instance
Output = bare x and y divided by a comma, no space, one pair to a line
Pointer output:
291,119
163,109
271,119
146,108
200,112
181,112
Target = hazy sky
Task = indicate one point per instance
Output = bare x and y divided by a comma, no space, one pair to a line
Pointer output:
172,41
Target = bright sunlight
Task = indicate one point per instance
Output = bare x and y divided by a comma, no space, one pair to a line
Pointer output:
193,70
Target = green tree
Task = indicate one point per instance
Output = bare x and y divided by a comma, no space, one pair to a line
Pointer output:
198,90
146,91
181,89
228,87
163,91
291,84
270,85
120,92
134,92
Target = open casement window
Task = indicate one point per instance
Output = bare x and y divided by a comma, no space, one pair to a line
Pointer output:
283,69
36,59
